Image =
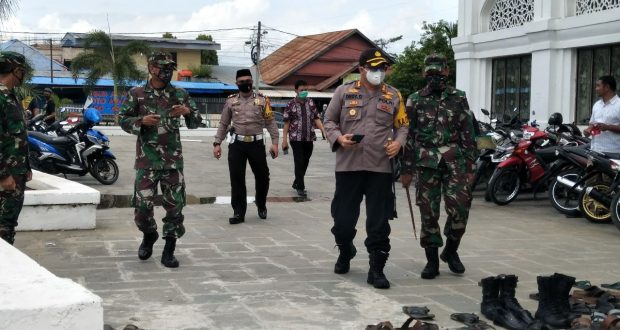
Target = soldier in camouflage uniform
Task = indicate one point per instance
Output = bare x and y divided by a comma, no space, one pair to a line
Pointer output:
14,167
441,147
152,112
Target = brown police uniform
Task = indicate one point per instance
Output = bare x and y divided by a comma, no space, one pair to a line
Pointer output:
248,116
365,169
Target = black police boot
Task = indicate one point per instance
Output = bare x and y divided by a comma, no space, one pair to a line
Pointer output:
262,213
167,257
431,270
491,306
450,256
376,277
347,252
508,286
236,218
549,311
564,284
146,247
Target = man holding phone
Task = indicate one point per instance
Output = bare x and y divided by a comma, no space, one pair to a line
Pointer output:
300,117
153,113
366,126
605,121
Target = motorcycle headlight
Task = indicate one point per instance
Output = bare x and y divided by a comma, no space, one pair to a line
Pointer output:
514,138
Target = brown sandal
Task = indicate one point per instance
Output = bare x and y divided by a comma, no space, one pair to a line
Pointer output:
581,323
611,323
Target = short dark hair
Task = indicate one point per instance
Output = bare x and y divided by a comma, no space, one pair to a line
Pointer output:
300,82
609,81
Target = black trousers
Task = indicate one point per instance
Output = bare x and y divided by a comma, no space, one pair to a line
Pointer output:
351,187
302,151
239,154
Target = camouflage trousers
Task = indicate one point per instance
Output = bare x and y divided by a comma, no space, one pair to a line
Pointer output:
173,199
11,202
454,182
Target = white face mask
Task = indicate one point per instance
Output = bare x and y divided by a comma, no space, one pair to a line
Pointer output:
375,77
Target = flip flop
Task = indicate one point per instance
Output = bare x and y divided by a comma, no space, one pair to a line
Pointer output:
613,286
582,284
419,325
385,325
581,323
467,318
418,313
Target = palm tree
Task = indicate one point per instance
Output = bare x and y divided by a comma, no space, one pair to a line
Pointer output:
102,58
6,9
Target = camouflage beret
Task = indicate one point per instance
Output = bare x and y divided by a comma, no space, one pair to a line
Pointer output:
161,58
435,62
13,58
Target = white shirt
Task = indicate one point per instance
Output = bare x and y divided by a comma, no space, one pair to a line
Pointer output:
607,113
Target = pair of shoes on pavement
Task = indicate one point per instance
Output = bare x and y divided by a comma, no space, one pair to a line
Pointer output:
237,218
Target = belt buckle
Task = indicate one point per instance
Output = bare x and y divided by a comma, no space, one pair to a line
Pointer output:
247,138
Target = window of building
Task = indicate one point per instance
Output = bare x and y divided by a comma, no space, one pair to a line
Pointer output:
593,63
511,87
510,13
593,6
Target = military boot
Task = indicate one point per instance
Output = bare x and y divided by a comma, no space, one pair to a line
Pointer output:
450,256
146,247
508,286
493,309
564,284
8,235
375,273
347,252
549,311
167,257
431,270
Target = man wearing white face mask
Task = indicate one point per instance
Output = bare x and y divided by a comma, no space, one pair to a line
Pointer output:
366,125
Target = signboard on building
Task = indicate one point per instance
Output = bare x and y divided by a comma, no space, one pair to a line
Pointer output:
103,100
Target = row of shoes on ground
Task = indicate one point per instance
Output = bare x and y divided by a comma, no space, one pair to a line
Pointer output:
415,313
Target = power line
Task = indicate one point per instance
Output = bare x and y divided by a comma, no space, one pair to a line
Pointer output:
136,33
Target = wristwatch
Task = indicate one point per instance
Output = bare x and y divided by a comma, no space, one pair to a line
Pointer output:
215,144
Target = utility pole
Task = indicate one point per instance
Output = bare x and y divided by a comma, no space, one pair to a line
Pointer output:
258,59
51,64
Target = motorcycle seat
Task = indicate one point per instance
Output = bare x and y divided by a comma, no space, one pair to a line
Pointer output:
547,155
56,140
580,150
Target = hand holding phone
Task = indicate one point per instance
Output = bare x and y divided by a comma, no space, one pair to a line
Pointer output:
357,138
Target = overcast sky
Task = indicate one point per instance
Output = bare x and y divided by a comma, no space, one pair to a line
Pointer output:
376,19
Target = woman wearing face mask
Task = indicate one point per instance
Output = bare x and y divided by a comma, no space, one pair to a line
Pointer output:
374,111
441,148
248,113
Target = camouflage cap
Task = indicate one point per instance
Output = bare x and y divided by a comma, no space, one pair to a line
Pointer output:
161,58
13,58
435,62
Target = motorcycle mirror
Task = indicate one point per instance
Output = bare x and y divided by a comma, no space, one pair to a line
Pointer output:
485,112
89,101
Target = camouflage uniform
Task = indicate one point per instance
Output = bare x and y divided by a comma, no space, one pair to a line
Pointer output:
13,153
441,146
159,157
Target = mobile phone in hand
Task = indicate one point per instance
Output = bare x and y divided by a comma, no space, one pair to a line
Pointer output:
285,151
357,138
273,155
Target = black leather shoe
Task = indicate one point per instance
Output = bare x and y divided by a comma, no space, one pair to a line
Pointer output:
302,193
236,219
262,213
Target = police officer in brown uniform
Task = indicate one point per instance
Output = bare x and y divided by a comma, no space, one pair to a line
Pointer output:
249,113
375,110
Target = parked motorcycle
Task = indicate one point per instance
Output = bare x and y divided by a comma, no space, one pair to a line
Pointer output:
79,150
564,172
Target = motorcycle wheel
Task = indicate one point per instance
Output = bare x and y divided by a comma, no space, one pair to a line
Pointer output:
615,210
504,186
591,209
563,200
104,170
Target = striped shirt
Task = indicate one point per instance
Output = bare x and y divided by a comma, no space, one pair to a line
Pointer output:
606,113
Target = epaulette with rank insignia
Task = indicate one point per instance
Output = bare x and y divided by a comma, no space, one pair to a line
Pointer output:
232,95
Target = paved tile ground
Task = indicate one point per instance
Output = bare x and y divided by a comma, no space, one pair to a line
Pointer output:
277,274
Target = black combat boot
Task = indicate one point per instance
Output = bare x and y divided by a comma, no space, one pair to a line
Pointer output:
8,235
146,247
450,256
549,311
508,286
347,252
431,270
167,257
491,306
375,273
564,284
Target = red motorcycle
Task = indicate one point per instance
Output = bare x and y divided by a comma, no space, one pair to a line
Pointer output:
524,166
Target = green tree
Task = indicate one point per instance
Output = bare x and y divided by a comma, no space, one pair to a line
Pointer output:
101,58
207,56
168,35
407,71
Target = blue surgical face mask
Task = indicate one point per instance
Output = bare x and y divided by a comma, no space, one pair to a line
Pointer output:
303,94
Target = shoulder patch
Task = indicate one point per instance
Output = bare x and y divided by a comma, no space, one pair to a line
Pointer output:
232,95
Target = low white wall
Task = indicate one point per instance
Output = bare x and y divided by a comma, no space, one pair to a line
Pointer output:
58,204
33,298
